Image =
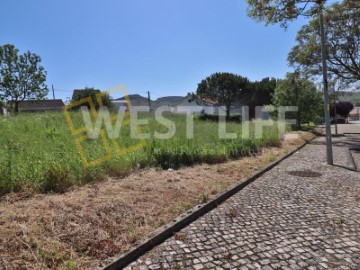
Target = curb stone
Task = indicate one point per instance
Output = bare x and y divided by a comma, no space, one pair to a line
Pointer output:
352,150
178,223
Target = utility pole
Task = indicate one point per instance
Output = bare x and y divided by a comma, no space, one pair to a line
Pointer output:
52,86
335,112
149,100
329,153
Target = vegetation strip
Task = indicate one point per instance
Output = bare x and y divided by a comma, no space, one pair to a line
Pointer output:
48,160
163,233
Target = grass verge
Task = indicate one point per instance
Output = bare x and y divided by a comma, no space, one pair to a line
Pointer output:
38,152
81,228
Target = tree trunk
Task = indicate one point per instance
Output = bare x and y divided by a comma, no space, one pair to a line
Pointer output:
227,111
16,107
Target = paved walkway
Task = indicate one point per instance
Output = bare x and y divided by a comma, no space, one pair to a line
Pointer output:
280,221
354,127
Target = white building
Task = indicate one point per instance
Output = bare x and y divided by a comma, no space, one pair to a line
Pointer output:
125,106
189,105
4,111
354,115
120,105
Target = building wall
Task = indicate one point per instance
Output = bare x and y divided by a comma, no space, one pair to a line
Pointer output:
122,105
355,114
119,105
211,110
193,109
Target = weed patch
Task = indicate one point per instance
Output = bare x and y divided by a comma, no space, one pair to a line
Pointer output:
39,153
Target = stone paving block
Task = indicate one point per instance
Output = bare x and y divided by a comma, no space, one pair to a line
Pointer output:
282,221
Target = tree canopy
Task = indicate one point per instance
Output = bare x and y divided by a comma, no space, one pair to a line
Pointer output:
302,93
21,76
279,11
284,11
343,43
343,108
91,92
223,89
259,93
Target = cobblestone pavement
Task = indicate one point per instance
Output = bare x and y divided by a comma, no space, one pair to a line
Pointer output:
280,221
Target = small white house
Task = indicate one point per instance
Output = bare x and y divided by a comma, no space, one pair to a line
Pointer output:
189,105
120,105
4,112
354,115
125,106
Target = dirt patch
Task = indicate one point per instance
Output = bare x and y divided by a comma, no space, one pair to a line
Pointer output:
79,229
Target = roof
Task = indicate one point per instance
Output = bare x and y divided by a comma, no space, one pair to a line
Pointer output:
116,101
355,111
76,92
136,100
41,105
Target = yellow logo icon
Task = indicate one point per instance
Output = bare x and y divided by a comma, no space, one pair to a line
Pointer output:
81,136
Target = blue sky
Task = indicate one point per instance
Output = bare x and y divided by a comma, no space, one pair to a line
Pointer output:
162,46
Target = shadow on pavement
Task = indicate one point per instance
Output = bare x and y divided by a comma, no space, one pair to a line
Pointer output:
351,142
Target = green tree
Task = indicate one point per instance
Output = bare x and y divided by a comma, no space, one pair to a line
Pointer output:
21,76
259,93
343,43
91,92
280,11
343,108
264,90
223,88
300,92
283,11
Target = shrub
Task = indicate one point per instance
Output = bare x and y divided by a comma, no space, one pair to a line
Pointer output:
56,180
215,118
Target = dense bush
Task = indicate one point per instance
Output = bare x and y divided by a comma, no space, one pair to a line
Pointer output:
92,93
215,118
343,108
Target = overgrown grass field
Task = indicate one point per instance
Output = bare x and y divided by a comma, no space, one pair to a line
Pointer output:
38,153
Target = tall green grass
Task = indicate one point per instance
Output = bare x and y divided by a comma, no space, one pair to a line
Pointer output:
38,152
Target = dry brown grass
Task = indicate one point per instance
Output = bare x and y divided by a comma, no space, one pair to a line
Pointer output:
79,229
